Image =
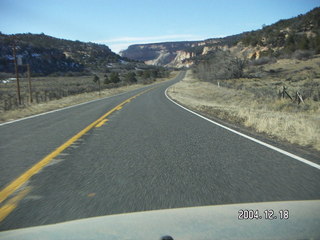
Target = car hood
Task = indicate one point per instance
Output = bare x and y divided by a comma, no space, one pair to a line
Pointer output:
208,222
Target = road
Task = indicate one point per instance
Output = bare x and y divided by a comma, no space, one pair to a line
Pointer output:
150,154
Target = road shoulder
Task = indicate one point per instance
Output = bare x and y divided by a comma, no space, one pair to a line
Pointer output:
193,95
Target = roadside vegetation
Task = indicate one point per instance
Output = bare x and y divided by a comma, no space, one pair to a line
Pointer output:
51,93
61,68
255,99
49,88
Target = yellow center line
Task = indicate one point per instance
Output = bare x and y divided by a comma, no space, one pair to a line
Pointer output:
18,182
6,209
101,123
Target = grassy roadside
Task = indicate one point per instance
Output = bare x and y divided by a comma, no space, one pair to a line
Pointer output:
274,117
33,109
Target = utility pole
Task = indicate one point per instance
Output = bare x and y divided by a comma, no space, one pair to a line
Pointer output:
29,80
16,70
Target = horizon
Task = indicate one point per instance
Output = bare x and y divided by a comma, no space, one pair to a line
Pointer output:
167,22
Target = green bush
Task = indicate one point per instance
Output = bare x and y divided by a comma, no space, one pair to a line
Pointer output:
130,77
114,77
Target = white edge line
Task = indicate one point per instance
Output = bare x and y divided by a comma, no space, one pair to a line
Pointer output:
61,109
248,137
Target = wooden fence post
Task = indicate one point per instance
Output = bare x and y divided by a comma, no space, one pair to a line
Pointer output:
299,98
284,92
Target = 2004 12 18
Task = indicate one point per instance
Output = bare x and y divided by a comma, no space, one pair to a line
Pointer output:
267,214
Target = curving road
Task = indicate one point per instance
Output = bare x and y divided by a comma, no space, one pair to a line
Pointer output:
150,154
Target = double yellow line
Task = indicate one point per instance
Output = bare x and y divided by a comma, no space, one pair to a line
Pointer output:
11,188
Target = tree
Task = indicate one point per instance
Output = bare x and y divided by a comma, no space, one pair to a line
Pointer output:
146,74
140,73
106,79
237,66
96,79
303,42
154,73
220,65
130,77
114,77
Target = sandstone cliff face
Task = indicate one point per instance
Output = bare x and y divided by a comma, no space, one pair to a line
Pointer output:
181,55
164,54
170,54
179,60
173,59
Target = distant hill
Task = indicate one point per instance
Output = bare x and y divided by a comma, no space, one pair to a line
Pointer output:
172,54
280,39
47,54
147,52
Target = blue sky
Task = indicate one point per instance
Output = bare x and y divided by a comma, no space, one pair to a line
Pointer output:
119,23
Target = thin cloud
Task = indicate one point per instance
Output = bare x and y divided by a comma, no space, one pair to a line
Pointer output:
121,43
152,38
118,47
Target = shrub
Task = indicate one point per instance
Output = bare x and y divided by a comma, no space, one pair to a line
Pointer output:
114,77
130,77
146,74
106,79
220,65
303,54
263,60
95,78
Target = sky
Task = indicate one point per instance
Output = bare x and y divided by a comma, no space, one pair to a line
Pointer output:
120,23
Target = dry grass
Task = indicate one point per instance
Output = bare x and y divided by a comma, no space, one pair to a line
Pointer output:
299,124
32,109
44,89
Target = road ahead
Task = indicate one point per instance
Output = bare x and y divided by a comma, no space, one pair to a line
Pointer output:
150,154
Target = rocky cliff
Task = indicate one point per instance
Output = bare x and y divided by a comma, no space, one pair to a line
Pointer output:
164,54
280,39
176,54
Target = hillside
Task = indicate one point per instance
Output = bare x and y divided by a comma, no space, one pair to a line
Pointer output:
174,54
47,54
280,39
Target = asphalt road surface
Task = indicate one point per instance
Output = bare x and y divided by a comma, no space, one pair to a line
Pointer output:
150,154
